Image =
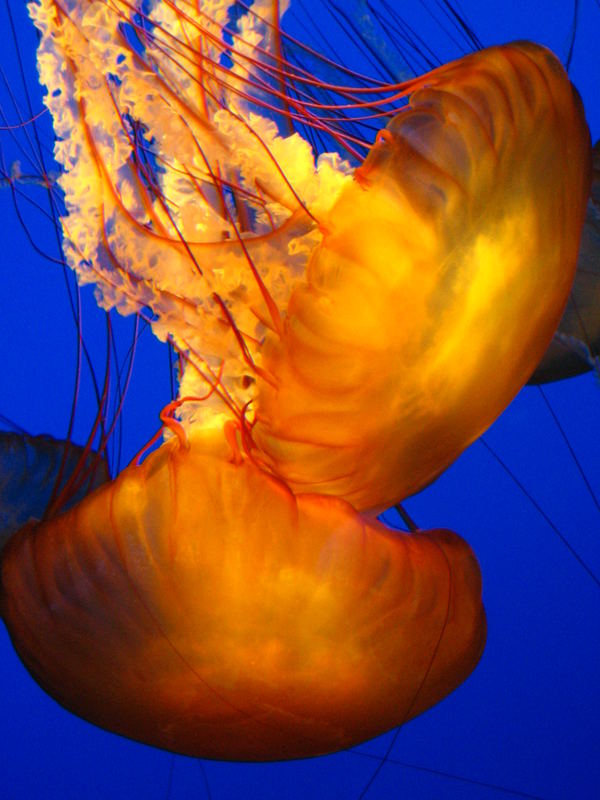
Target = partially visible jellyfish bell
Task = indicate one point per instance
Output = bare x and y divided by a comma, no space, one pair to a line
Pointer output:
575,347
349,335
35,470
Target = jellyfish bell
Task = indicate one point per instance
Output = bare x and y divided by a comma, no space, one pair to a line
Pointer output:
130,224
436,288
33,469
202,607
576,344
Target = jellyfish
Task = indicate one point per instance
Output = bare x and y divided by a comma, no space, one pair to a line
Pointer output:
575,345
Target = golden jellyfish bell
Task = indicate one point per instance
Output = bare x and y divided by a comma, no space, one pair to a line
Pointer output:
200,606
199,602
437,286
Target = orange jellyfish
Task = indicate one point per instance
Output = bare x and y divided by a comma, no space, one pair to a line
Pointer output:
265,454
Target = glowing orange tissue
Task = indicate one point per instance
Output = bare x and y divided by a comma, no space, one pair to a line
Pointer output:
438,285
201,606
344,333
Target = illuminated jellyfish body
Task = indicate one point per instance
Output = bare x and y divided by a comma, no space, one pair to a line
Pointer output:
201,603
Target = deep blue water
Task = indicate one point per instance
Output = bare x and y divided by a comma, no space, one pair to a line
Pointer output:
527,722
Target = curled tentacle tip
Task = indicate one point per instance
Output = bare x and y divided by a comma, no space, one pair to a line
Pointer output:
169,421
384,137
